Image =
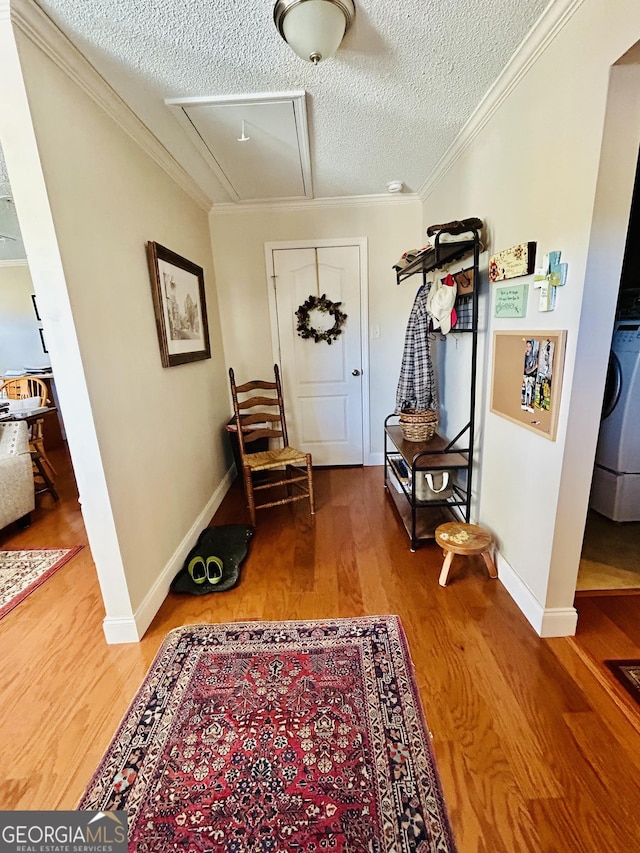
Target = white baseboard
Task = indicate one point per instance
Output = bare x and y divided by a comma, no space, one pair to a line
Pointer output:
121,630
559,622
131,630
549,622
375,459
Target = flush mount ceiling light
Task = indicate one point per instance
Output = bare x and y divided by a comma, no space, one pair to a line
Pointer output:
314,28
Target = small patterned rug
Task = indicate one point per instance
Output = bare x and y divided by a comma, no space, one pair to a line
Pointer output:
277,737
23,571
628,674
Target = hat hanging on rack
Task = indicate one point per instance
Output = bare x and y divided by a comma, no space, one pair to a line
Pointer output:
440,303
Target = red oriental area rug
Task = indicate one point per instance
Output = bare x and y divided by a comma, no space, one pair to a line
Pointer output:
277,737
23,571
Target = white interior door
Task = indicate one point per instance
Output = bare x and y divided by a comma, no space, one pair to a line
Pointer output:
323,383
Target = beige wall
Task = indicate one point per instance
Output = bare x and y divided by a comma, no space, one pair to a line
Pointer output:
20,344
531,174
239,238
159,431
147,442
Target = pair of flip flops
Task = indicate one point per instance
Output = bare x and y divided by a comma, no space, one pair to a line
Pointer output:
201,571
213,564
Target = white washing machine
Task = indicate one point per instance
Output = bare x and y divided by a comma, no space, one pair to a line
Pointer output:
615,490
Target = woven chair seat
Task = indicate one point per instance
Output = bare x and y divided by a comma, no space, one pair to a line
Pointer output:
266,459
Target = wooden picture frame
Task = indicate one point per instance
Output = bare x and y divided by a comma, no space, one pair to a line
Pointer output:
179,303
35,308
527,378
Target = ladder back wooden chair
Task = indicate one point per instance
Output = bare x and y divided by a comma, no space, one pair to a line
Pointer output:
262,416
24,388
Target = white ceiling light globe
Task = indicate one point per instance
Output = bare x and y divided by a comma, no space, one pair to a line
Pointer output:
313,29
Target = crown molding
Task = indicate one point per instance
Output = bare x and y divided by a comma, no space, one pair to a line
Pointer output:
41,31
553,19
14,262
379,200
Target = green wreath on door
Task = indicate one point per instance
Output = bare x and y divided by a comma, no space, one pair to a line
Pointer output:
325,306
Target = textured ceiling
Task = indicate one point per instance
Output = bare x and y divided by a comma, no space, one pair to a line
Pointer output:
404,81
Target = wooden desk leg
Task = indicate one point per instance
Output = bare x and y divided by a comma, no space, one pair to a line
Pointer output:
444,574
491,566
49,487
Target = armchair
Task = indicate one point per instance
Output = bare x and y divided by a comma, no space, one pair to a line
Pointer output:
17,492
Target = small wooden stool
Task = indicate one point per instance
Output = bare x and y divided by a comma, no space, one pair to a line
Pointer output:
466,539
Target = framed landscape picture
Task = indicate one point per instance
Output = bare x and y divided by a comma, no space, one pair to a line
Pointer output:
177,286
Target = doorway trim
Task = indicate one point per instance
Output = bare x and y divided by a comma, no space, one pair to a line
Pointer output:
332,242
617,165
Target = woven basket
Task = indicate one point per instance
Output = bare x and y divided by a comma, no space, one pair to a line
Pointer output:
418,425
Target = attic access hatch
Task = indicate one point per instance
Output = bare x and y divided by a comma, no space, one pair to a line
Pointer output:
271,162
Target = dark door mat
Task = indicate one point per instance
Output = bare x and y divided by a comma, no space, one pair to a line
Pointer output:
628,674
228,545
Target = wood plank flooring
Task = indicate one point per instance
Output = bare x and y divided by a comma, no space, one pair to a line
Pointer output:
536,752
609,557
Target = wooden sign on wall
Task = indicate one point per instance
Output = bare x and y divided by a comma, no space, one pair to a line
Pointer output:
512,263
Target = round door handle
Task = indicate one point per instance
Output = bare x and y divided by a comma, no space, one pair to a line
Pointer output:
355,373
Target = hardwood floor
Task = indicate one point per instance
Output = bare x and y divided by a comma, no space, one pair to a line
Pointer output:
609,557
535,751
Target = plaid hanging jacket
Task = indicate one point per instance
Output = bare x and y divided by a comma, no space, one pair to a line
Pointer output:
416,386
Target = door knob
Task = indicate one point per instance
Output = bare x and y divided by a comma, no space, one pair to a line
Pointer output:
355,373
